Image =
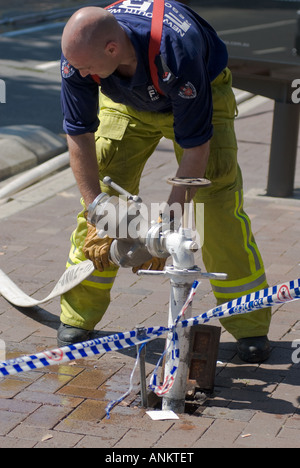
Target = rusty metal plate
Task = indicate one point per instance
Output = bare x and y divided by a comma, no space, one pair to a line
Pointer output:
203,355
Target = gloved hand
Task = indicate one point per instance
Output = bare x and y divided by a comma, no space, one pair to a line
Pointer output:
97,249
155,263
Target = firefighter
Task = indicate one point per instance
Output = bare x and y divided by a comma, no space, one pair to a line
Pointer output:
118,101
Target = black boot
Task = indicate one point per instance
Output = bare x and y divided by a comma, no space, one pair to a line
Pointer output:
67,335
254,349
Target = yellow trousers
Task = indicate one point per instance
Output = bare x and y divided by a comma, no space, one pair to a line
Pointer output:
125,139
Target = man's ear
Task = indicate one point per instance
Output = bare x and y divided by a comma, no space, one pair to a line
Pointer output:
111,49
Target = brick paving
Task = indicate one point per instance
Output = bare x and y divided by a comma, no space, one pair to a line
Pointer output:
64,406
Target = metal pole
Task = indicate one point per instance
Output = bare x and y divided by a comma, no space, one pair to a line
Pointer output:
144,397
283,149
175,398
141,350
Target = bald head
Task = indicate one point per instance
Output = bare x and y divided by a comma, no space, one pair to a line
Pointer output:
95,43
89,27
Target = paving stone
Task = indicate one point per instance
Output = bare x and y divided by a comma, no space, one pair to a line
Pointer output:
8,421
137,439
220,433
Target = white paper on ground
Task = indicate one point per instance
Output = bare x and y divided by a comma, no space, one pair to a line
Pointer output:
162,415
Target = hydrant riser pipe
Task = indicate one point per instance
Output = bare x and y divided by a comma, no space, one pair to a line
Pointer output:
180,289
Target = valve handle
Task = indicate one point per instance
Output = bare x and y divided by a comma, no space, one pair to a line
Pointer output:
135,198
188,183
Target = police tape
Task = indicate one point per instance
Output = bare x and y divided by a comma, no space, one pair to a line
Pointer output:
268,297
264,298
276,295
72,352
98,346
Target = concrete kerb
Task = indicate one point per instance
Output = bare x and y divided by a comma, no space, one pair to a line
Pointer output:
23,147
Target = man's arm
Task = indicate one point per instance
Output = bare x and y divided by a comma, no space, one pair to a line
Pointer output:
83,161
193,164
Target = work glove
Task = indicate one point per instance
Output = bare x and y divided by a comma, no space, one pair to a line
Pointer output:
97,249
155,263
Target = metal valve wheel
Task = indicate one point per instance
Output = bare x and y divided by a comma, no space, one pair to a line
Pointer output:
189,181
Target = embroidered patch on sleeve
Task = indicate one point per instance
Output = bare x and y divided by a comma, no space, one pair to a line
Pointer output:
188,91
66,69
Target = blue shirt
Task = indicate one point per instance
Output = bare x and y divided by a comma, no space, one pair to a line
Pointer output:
191,57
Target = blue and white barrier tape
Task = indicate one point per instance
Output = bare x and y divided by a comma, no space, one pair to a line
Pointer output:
275,295
268,297
89,348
